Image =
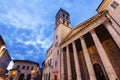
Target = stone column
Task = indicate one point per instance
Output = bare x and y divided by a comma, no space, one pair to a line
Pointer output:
62,65
112,32
105,60
77,66
87,60
68,65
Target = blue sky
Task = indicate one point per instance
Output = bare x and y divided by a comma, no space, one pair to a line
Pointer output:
27,26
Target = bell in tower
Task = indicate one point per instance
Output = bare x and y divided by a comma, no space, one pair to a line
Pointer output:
62,17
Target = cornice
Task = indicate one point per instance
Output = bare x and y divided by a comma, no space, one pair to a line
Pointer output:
84,25
103,4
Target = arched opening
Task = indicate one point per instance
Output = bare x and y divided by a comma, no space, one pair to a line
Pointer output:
63,21
18,66
21,77
99,72
55,77
29,77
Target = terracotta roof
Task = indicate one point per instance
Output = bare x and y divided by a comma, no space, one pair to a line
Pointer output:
83,25
26,61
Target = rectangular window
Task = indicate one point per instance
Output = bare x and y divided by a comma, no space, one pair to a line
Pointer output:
114,4
55,63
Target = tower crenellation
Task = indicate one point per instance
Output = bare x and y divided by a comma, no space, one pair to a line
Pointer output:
62,17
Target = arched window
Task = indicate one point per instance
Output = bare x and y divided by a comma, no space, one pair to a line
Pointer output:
23,67
56,37
18,66
63,21
63,15
29,77
32,68
56,44
50,61
27,67
21,77
99,72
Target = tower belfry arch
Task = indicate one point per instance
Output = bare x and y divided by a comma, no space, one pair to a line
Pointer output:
62,17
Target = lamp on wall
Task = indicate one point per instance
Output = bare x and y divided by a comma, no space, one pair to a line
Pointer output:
35,73
13,74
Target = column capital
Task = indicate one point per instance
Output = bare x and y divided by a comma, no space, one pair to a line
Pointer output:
81,37
107,22
92,31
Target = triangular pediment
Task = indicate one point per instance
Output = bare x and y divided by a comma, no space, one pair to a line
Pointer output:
84,24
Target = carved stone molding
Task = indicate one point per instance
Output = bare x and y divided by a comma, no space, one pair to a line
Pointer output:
107,22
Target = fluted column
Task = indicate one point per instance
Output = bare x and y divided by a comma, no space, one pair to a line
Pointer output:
69,65
105,60
62,65
77,66
87,60
112,32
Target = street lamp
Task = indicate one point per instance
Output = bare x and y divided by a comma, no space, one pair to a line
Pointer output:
13,74
34,74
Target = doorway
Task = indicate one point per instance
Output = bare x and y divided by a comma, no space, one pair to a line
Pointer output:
99,72
21,77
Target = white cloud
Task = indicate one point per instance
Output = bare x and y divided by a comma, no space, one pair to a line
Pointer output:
10,65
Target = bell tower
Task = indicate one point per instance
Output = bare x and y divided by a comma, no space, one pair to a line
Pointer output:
62,17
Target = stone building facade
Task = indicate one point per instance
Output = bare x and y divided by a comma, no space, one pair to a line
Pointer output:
4,57
90,50
24,70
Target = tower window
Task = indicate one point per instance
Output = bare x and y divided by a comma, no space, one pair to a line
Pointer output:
50,61
63,21
114,4
67,24
63,15
66,17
